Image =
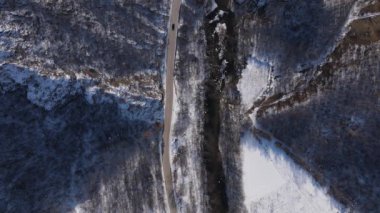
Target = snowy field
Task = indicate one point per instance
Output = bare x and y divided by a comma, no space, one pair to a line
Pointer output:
274,183
253,81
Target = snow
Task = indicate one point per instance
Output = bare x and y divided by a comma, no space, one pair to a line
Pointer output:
355,11
43,91
274,183
89,94
261,3
175,111
352,16
49,91
253,81
368,15
217,17
16,74
187,177
213,5
221,29
262,176
187,183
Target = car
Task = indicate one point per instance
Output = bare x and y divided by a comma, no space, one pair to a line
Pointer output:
173,26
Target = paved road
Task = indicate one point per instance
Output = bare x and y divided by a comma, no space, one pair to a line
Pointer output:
170,59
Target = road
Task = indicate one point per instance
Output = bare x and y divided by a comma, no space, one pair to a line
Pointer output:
170,59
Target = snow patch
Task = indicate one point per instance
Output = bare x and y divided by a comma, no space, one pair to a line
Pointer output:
272,182
47,92
218,16
43,91
175,111
90,93
253,81
221,29
52,89
261,3
213,5
353,15
187,186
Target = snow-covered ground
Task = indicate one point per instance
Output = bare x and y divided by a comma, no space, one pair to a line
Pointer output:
187,182
272,182
253,81
49,91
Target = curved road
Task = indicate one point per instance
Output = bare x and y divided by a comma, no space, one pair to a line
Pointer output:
170,59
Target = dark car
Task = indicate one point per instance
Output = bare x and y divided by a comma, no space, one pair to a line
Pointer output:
173,26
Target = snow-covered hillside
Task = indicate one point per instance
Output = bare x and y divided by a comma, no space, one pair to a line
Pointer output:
81,105
276,106
272,182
